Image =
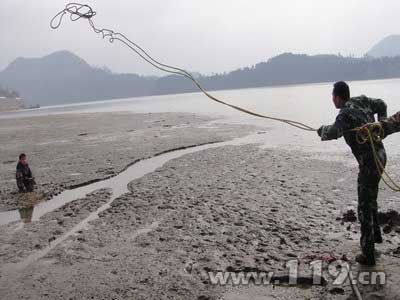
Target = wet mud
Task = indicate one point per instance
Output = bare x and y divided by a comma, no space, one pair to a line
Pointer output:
235,208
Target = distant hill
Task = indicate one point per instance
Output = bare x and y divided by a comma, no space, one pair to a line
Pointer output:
388,47
63,77
6,93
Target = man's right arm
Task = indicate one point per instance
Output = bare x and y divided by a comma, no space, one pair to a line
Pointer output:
392,124
379,107
334,131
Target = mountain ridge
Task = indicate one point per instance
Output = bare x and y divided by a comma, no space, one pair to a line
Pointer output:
63,77
387,47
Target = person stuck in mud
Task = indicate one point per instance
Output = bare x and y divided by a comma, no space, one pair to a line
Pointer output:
24,176
355,112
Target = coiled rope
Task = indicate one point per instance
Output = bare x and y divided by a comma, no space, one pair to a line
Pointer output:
78,11
369,132
372,133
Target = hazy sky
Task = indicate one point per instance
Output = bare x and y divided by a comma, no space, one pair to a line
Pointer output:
200,35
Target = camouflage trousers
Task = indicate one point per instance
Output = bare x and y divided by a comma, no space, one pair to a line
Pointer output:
368,185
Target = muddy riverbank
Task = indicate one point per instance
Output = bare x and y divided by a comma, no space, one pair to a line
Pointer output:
70,150
230,208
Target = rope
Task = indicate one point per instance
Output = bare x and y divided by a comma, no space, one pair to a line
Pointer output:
372,133
369,132
78,11
353,285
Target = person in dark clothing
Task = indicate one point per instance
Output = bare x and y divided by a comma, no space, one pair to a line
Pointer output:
24,176
355,112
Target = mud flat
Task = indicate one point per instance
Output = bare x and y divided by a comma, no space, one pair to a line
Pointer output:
70,150
231,207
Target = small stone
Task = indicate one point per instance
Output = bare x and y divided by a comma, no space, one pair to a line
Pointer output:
387,229
189,267
336,291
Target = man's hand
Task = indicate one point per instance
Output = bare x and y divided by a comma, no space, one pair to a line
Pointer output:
391,125
396,117
319,131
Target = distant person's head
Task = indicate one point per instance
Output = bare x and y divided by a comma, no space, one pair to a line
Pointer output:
340,93
23,159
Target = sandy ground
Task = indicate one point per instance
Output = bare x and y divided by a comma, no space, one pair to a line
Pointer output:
235,208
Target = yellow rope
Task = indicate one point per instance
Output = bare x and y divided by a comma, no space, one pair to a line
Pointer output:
289,122
77,11
371,133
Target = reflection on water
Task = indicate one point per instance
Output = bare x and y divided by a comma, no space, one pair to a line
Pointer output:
26,214
26,203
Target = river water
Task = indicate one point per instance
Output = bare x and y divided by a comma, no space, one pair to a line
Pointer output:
310,103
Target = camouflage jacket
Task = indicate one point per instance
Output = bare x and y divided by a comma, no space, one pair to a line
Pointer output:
356,112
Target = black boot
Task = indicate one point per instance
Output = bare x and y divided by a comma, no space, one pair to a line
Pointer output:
378,236
366,260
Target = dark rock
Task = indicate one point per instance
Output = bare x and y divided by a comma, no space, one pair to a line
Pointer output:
336,291
349,216
387,229
390,217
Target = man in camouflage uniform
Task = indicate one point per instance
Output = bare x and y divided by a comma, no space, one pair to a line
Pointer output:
355,112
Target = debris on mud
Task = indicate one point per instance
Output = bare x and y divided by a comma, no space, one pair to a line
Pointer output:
349,216
391,220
